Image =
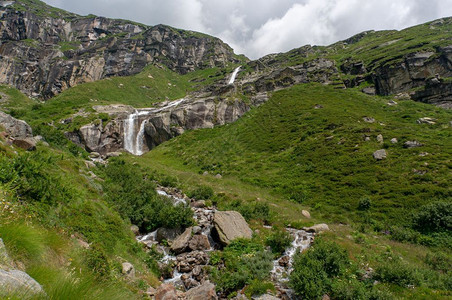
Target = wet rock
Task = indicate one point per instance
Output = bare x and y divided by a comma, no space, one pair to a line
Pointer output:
180,244
128,270
306,214
186,262
166,292
380,154
168,234
317,228
18,281
412,144
199,242
206,291
284,261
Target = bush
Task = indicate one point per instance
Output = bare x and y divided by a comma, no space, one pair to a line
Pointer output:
434,217
202,192
315,268
259,287
439,261
278,241
135,198
97,260
364,204
244,261
398,273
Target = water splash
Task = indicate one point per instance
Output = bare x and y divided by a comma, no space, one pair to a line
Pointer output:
234,75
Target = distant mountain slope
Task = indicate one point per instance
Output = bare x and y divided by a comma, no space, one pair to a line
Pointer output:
45,50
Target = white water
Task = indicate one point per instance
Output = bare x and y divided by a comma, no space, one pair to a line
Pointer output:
134,127
301,241
234,75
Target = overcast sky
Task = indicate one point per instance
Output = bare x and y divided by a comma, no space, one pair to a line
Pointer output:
259,27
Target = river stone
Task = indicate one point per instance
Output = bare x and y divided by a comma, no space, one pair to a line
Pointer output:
380,154
168,234
18,281
180,244
206,291
166,292
317,228
199,242
231,225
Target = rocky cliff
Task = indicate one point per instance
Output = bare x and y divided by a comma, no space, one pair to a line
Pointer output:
44,50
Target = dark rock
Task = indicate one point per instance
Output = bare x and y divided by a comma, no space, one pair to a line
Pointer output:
284,261
168,234
28,144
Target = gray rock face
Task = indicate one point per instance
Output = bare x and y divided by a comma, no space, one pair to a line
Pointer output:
68,49
380,154
231,225
199,242
439,94
15,128
206,291
18,281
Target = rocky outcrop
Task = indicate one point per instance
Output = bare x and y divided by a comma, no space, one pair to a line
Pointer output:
44,53
436,92
15,128
230,225
414,71
180,244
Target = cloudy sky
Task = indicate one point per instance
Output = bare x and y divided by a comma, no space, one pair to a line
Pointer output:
259,27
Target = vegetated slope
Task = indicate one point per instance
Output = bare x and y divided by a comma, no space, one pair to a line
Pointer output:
308,144
46,50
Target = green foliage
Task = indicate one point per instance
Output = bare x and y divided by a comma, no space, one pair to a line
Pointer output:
251,210
315,269
22,241
134,196
97,260
244,261
364,204
398,272
278,241
434,217
201,192
439,261
259,287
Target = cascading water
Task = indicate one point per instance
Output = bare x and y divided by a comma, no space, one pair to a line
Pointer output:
234,75
134,127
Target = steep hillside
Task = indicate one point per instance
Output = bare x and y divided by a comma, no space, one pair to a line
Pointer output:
46,50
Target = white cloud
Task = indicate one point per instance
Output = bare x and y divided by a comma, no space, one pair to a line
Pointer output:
258,27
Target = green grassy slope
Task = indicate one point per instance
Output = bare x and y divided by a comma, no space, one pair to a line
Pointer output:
319,157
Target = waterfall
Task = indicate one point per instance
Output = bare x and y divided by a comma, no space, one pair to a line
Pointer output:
134,127
234,74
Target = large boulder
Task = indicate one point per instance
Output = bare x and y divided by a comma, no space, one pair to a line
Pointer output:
199,242
168,234
166,292
180,244
205,291
16,281
28,144
15,128
317,228
231,225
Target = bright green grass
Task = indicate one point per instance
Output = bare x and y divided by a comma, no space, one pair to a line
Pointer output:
290,148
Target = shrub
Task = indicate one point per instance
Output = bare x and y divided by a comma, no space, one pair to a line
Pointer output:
315,268
434,217
201,192
439,261
135,198
258,287
364,203
398,273
97,260
278,241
